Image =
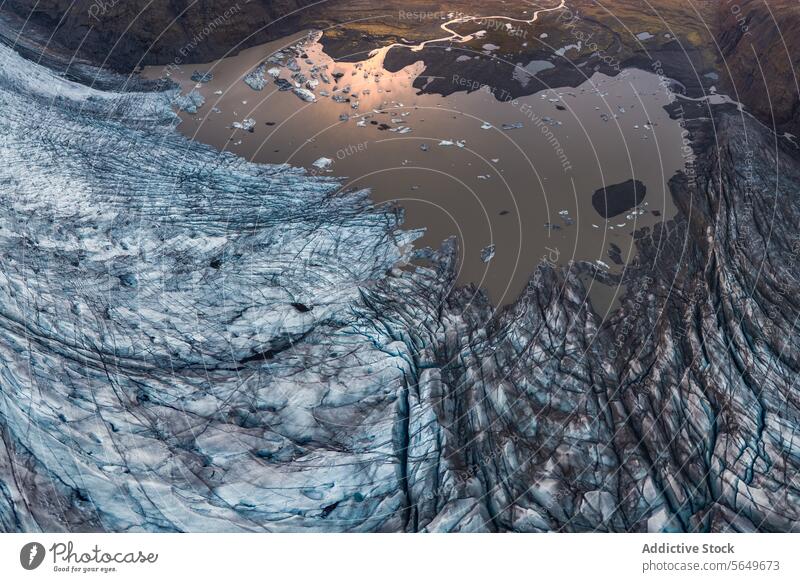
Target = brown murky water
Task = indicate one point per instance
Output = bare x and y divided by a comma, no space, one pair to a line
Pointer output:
449,162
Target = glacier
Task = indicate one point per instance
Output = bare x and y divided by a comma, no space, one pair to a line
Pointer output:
192,342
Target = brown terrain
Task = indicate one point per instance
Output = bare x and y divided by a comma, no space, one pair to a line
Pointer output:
752,45
763,59
125,34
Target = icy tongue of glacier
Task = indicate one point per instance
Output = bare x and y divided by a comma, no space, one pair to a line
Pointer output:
151,292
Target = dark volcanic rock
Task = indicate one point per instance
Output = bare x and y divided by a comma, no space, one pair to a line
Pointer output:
760,46
618,198
615,254
444,74
124,35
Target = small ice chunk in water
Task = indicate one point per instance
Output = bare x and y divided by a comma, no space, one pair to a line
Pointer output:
248,124
322,163
304,94
200,77
487,253
190,102
255,79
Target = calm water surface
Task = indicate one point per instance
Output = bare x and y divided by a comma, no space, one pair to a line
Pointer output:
448,161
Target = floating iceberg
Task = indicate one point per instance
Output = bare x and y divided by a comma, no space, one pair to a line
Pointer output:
487,253
202,77
304,94
256,79
248,124
322,163
190,102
